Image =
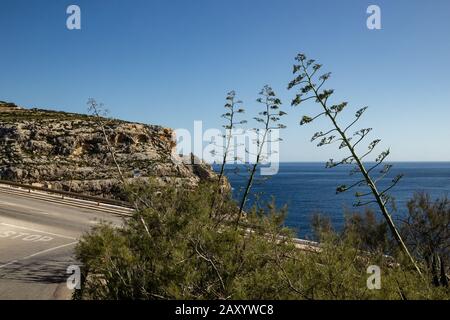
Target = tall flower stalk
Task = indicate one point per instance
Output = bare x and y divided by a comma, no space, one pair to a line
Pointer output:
305,71
233,107
269,119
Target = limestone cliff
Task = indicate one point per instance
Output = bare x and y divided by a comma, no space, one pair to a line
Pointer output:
67,151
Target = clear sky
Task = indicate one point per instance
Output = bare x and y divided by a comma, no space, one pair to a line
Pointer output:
171,62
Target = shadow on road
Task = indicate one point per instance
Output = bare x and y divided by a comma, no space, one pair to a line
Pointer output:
44,272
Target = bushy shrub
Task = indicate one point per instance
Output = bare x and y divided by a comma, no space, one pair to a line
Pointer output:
186,254
426,230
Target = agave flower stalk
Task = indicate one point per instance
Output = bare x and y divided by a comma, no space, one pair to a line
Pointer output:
305,71
269,118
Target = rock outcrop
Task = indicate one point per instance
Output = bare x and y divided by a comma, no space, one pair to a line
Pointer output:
67,151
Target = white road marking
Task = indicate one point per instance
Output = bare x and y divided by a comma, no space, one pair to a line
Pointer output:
29,229
9,263
38,253
48,250
24,236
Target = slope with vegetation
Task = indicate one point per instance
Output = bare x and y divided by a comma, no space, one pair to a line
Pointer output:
66,151
186,254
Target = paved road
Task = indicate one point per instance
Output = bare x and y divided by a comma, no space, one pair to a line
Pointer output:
37,239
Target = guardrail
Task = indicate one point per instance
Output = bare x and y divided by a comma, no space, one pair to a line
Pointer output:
300,243
74,195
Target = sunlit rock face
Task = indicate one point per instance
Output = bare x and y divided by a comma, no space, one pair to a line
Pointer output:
67,151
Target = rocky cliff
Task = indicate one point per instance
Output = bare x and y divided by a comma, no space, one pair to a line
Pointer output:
67,151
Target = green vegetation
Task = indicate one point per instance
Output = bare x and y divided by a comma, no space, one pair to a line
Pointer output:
269,119
197,244
188,255
310,88
426,230
9,112
18,115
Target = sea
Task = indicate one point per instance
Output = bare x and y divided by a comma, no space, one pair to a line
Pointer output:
307,188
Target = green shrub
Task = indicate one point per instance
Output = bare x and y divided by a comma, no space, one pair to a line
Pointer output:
187,255
426,230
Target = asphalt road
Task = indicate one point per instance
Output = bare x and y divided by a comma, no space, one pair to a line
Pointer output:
37,239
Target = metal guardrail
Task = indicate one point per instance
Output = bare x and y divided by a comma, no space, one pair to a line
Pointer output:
74,195
300,243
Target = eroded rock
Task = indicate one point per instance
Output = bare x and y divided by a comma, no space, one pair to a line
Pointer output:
67,151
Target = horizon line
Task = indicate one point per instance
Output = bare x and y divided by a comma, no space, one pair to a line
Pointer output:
394,161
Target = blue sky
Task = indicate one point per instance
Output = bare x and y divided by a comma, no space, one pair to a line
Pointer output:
171,62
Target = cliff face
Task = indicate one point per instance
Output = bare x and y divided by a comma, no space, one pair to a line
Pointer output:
68,152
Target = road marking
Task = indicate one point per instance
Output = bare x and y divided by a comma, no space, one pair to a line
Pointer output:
48,250
24,236
38,253
29,229
9,263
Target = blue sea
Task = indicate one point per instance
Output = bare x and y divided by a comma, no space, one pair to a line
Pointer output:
308,188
